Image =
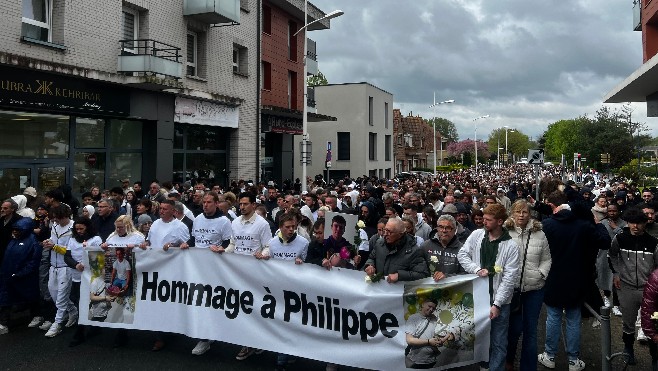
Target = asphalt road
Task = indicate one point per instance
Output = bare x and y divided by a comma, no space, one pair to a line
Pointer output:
28,349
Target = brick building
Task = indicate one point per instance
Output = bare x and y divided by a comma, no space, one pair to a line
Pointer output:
414,145
282,84
135,89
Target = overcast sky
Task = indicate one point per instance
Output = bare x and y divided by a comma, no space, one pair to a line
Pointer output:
525,63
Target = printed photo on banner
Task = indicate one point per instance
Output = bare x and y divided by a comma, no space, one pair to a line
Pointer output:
440,324
112,286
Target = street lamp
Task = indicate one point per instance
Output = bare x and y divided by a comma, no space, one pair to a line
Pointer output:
476,141
506,152
434,128
305,138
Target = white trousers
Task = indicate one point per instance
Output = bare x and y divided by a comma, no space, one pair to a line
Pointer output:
59,286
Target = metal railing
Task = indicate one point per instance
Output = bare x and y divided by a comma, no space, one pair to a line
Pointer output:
606,334
150,47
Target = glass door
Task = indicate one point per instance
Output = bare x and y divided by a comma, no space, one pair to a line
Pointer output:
14,178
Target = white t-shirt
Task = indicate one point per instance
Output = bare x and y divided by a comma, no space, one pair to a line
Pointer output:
114,240
250,236
174,232
78,251
297,248
60,236
122,268
208,232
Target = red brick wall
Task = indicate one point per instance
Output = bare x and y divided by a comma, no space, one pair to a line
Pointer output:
649,29
275,51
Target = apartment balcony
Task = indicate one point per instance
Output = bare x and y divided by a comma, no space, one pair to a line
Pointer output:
637,15
148,57
213,11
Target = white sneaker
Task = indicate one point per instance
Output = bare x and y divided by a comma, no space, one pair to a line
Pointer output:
616,311
606,302
46,325
3,330
596,324
545,360
36,321
576,365
55,330
201,347
641,336
73,319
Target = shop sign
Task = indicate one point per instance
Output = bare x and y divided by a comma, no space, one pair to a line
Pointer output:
284,125
192,111
30,89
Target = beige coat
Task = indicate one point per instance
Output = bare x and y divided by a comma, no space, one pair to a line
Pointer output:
538,262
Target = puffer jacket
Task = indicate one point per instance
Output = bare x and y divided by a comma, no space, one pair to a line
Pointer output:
537,253
650,305
633,258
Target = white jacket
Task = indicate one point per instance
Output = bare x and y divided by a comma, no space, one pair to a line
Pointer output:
538,262
507,258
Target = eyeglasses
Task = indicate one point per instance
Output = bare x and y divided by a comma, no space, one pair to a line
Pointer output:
445,227
388,231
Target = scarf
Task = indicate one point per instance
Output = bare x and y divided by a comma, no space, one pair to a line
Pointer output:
488,254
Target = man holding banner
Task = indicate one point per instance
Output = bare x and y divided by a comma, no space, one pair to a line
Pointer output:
491,252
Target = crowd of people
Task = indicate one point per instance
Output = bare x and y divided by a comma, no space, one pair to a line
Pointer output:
593,241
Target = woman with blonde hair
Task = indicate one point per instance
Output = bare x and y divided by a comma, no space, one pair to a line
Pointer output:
534,265
125,235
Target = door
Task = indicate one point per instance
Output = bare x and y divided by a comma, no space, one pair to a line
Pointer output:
14,178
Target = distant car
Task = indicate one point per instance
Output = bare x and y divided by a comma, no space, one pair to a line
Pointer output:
523,160
548,163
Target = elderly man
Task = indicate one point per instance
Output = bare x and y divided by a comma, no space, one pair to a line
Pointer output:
442,249
103,220
154,193
396,256
492,253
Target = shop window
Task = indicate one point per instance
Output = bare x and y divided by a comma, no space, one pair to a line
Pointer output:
89,170
33,136
200,152
37,20
90,133
126,134
125,165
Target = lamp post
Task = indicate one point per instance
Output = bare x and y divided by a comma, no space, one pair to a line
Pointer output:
434,128
305,138
506,152
476,140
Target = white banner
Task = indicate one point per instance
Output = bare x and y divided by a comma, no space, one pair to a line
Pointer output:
302,310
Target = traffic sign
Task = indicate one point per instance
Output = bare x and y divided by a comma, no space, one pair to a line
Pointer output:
536,156
328,165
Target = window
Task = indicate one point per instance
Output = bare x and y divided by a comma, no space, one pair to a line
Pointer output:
387,148
191,62
387,173
372,146
266,75
37,23
292,89
200,151
386,115
343,144
370,118
240,60
292,41
267,20
130,29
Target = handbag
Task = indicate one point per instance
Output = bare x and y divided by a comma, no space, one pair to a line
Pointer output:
516,305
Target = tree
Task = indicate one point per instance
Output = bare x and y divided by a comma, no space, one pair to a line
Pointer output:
467,148
316,80
517,142
446,128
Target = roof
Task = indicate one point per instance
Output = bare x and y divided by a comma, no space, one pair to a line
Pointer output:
638,86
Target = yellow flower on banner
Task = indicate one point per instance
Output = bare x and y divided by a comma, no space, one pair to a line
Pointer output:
498,268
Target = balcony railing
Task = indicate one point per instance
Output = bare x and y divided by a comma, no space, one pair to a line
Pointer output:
213,11
150,57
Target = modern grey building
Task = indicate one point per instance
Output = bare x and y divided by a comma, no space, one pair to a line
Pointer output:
94,92
360,139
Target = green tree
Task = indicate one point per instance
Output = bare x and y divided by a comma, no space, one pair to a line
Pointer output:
446,127
563,137
517,142
316,80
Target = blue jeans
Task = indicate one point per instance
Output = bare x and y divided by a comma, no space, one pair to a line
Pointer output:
572,332
119,283
525,321
498,340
